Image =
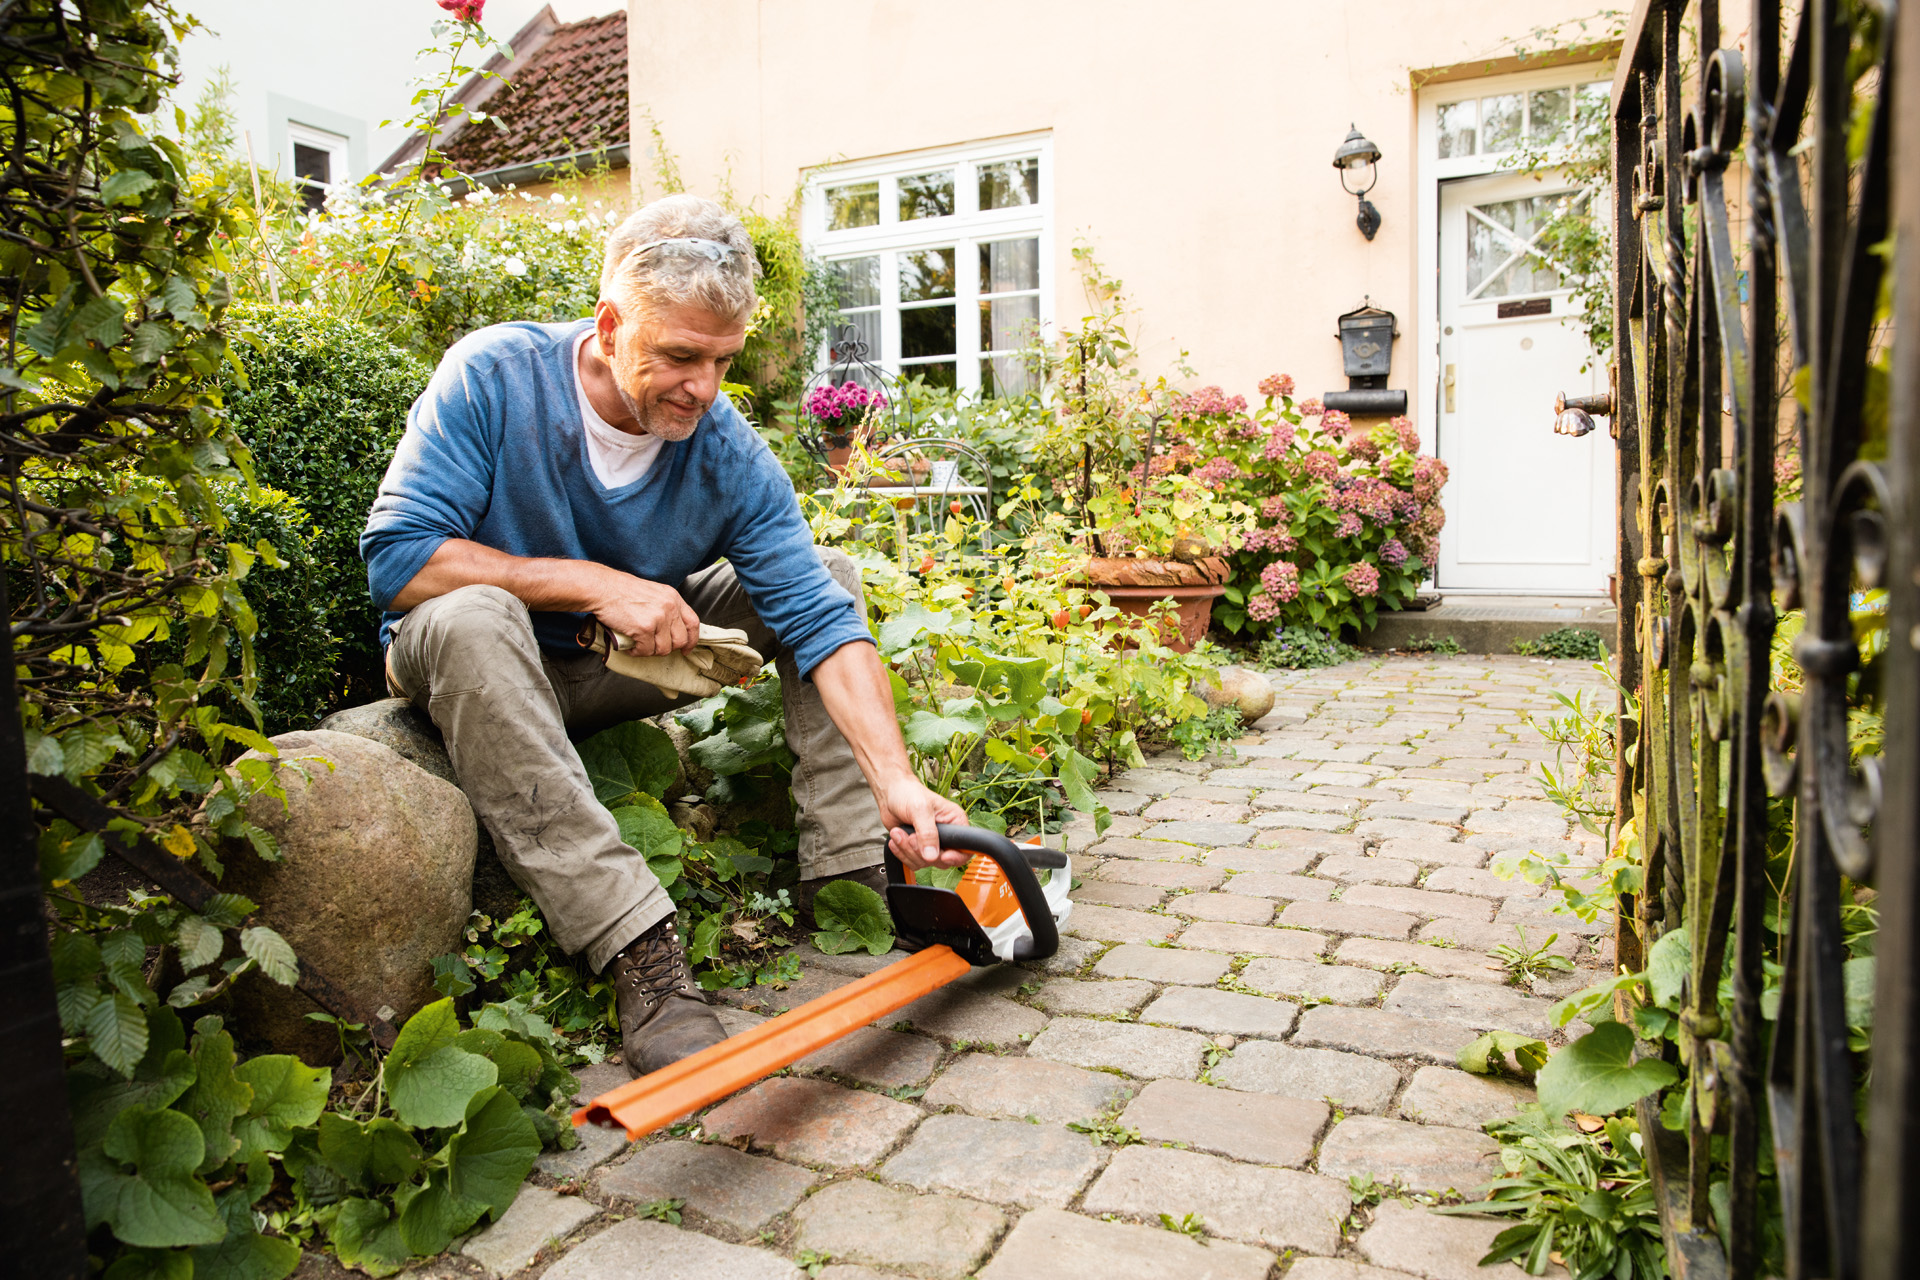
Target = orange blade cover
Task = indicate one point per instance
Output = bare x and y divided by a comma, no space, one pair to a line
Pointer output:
658,1098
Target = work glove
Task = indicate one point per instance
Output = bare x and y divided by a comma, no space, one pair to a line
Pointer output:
721,657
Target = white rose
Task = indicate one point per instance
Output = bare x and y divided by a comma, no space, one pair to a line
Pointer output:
515,265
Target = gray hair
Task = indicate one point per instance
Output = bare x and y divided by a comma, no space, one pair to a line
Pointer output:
651,280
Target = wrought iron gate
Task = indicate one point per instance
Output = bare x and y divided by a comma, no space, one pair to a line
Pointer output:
1754,192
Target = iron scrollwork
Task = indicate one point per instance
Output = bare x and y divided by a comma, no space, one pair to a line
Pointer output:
1735,313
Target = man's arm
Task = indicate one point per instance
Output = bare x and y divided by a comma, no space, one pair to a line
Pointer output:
653,615
859,697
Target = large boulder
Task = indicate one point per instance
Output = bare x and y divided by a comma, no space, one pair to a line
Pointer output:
374,881
1247,691
397,723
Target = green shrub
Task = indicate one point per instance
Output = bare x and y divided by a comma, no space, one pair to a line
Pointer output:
1302,647
1564,642
324,404
1446,646
294,649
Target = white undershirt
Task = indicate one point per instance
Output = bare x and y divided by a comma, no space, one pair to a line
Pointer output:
618,458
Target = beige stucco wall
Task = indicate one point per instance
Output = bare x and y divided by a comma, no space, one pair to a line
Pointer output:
1192,143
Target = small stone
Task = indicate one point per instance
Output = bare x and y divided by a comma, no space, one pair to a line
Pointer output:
1205,1009
1153,782
1345,917
1471,1004
1111,893
1244,939
1145,1052
1419,902
536,1217
1424,1157
1442,962
1401,829
862,1221
812,1121
1265,884
1003,1161
1122,803
1162,875
1277,1208
1350,869
1176,809
1111,924
1231,907
1308,801
1096,999
1439,1095
1336,982
1266,861
1333,1026
729,1186
1277,1131
643,1249
1293,819
1354,1082
1048,1244
1432,1245
1428,852
1224,1042
597,1146
733,1021
1202,832
1015,1088
868,1055
1163,964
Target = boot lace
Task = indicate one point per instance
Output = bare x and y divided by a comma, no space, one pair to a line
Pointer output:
654,966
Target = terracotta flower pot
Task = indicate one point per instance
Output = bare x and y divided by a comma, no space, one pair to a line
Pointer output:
1135,586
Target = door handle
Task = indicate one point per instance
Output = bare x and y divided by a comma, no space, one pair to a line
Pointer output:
1447,384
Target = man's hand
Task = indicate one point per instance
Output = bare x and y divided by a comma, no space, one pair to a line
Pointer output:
910,811
650,614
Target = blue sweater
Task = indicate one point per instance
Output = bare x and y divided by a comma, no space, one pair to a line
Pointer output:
495,453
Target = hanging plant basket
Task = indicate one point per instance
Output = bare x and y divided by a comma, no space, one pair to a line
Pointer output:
852,401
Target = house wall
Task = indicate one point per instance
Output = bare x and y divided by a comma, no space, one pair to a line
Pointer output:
1192,144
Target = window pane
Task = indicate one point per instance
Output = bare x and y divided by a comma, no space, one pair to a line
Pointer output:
311,163
1457,120
934,375
1008,184
926,195
1008,265
926,331
854,205
1488,249
1499,123
1549,111
1005,376
857,281
866,327
1008,324
926,274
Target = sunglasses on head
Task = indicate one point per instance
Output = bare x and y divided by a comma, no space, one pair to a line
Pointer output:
691,247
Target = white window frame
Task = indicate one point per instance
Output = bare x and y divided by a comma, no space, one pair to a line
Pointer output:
964,230
322,140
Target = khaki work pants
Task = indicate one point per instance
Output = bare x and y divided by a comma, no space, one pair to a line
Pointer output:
506,710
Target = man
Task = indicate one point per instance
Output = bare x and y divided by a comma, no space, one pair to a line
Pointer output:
554,473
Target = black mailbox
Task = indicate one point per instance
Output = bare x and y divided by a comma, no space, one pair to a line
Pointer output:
1366,353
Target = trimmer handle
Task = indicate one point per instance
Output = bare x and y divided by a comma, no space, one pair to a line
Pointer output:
1017,863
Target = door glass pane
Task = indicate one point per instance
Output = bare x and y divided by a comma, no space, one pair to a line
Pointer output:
1549,112
942,374
1499,123
926,331
1457,121
926,195
926,274
858,281
1008,323
1005,376
1488,250
855,205
1008,184
1007,265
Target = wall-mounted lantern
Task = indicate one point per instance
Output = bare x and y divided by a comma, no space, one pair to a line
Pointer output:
1366,356
1355,160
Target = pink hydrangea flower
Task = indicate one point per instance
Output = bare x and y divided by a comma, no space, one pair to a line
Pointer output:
465,10
1312,408
1334,422
847,401
1408,433
1215,472
1363,446
1273,508
1429,477
1349,526
1393,552
1275,385
1362,579
1278,442
1205,401
1321,465
1262,607
1282,580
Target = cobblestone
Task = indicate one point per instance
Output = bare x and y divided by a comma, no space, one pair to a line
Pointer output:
1180,809
1115,893
1337,982
1048,1244
1442,962
1233,908
1305,801
884,1059
1004,1161
1358,1083
953,1013
1313,842
1471,1004
597,1146
641,1249
1265,884
1303,1269
1263,861
1419,902
1303,821
1429,852
1481,881
1224,1012
1438,1095
1432,1245
1015,1088
862,1221
1475,936
1277,1208
1147,1053
1277,1131
1162,875
1112,924
536,1217
1351,869
1333,1026
1136,847
743,1191
1098,999
1402,829
1207,833
1346,917
1424,1157
1242,939
1162,964
1445,814
812,1121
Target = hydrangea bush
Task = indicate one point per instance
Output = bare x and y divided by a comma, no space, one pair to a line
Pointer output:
1349,514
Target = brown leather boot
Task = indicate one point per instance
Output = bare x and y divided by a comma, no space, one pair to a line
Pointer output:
875,878
664,1016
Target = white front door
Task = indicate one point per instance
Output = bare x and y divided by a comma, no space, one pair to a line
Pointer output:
1527,510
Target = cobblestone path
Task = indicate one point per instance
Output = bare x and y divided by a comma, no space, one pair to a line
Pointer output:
1273,960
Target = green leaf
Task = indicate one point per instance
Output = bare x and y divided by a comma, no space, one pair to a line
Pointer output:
117,1032
199,940
272,953
377,1152
1669,961
433,1216
122,187
245,1254
151,1264
930,734
1857,975
104,320
645,826
429,1078
287,1095
218,1096
519,1067
646,750
851,916
607,770
151,341
489,1159
907,627
1597,1074
365,1234
1076,779
160,1205
1483,1057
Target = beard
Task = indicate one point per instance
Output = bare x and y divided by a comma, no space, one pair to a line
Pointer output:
655,420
